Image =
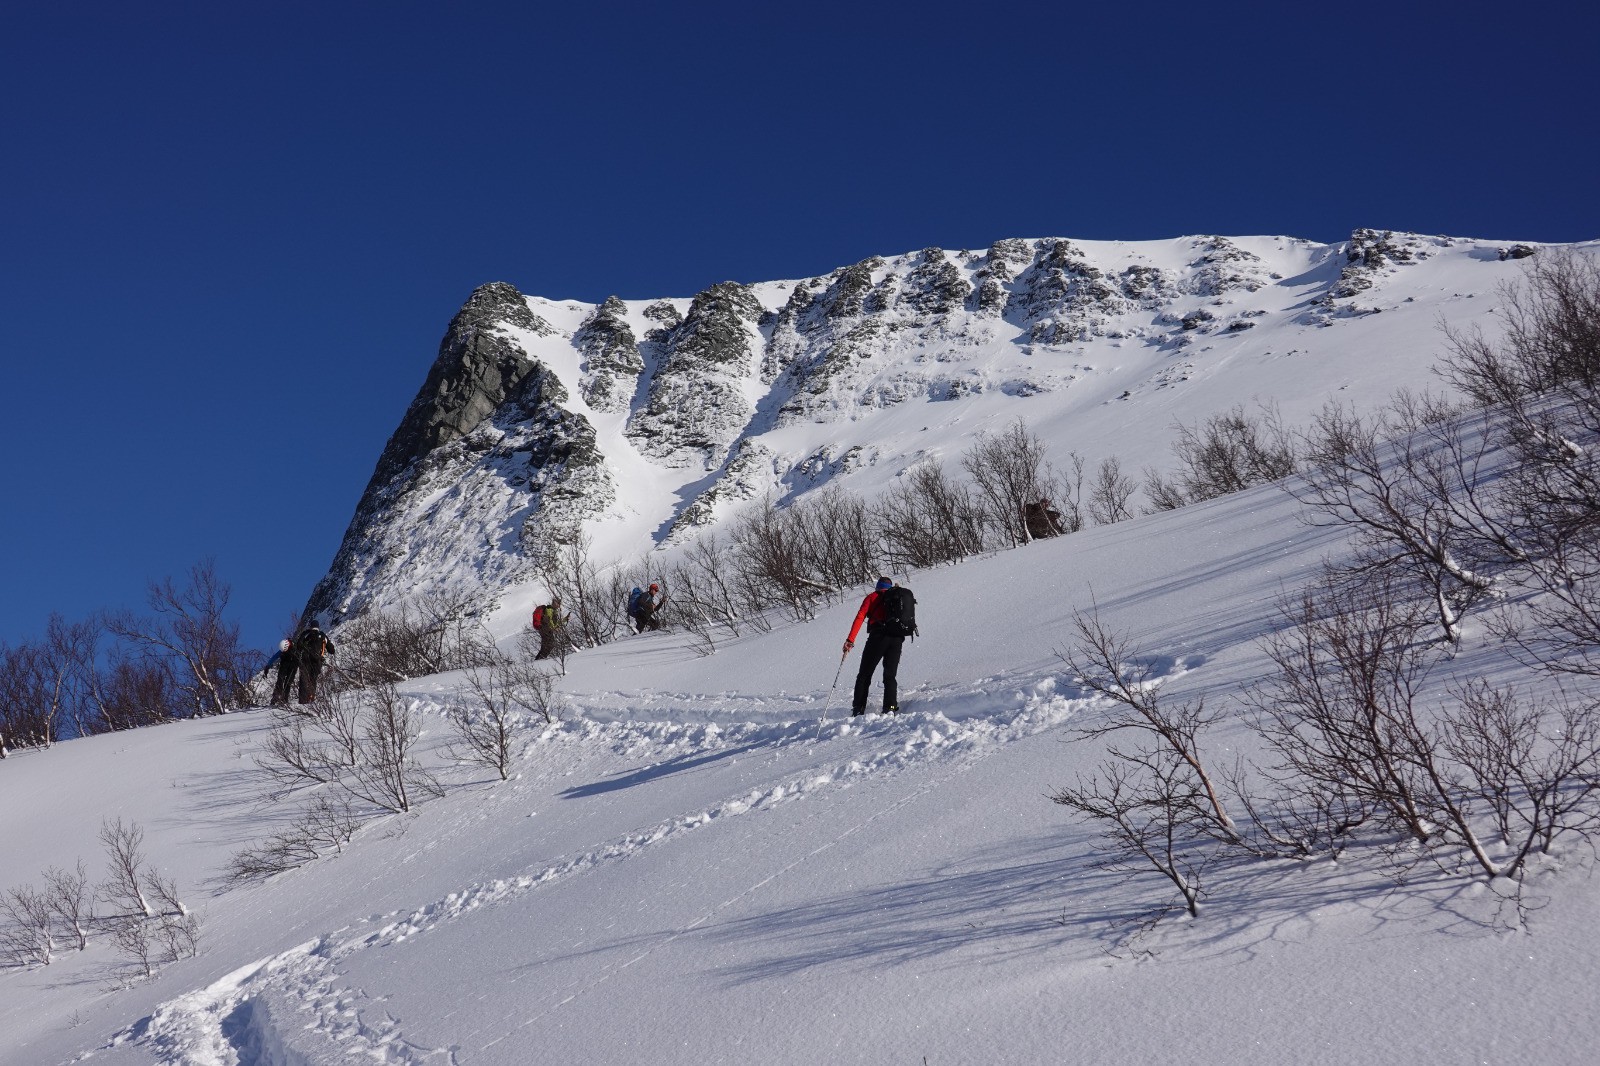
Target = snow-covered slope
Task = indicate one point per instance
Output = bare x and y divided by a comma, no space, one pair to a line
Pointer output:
643,422
703,862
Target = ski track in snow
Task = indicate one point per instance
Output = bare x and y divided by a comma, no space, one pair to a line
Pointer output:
244,1019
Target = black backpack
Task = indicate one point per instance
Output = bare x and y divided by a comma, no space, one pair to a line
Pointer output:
312,645
899,612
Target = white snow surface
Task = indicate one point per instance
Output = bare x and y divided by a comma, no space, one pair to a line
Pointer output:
705,860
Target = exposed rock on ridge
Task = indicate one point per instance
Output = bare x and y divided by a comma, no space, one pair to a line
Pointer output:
697,404
611,360
490,444
496,459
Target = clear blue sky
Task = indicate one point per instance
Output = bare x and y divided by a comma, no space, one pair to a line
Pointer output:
232,234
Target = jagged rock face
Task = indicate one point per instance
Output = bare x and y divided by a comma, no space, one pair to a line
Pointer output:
697,403
476,370
611,360
1062,297
747,475
488,445
1368,255
1224,267
934,288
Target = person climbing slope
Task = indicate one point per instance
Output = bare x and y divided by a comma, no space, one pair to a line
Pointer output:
890,613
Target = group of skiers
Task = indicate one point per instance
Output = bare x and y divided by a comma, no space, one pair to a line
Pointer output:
550,623
306,655
889,612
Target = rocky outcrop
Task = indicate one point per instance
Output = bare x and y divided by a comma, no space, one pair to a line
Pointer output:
1368,256
477,368
611,360
697,403
934,288
748,474
1001,264
1223,267
487,446
1062,297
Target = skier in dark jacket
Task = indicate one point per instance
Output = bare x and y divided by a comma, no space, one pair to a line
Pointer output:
645,607
313,648
287,660
882,646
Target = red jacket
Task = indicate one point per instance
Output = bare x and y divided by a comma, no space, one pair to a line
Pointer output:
872,611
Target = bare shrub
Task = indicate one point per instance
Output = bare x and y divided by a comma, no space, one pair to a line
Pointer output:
926,520
50,688
178,935
1010,472
71,899
1550,344
26,936
1145,803
296,754
360,742
770,548
1158,803
1530,764
1110,493
388,775
27,716
838,538
326,824
132,936
1108,665
431,635
504,694
164,891
1483,773
134,693
1339,709
1540,385
123,886
188,636
708,596
1405,482
1069,494
1224,453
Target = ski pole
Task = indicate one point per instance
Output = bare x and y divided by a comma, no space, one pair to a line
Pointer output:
831,687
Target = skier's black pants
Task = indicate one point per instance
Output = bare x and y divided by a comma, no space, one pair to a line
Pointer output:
285,685
880,647
310,670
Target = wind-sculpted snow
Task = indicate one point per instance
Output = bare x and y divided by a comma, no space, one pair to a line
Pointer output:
296,1009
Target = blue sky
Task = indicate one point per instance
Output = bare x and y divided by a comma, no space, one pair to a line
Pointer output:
233,234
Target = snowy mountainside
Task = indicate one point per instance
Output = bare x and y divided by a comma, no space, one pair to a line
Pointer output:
703,861
643,422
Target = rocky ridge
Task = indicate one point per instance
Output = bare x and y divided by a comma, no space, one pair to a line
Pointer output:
500,456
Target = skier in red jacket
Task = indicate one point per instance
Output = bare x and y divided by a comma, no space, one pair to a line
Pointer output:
882,646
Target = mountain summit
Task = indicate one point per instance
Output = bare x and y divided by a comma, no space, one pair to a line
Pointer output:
638,423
